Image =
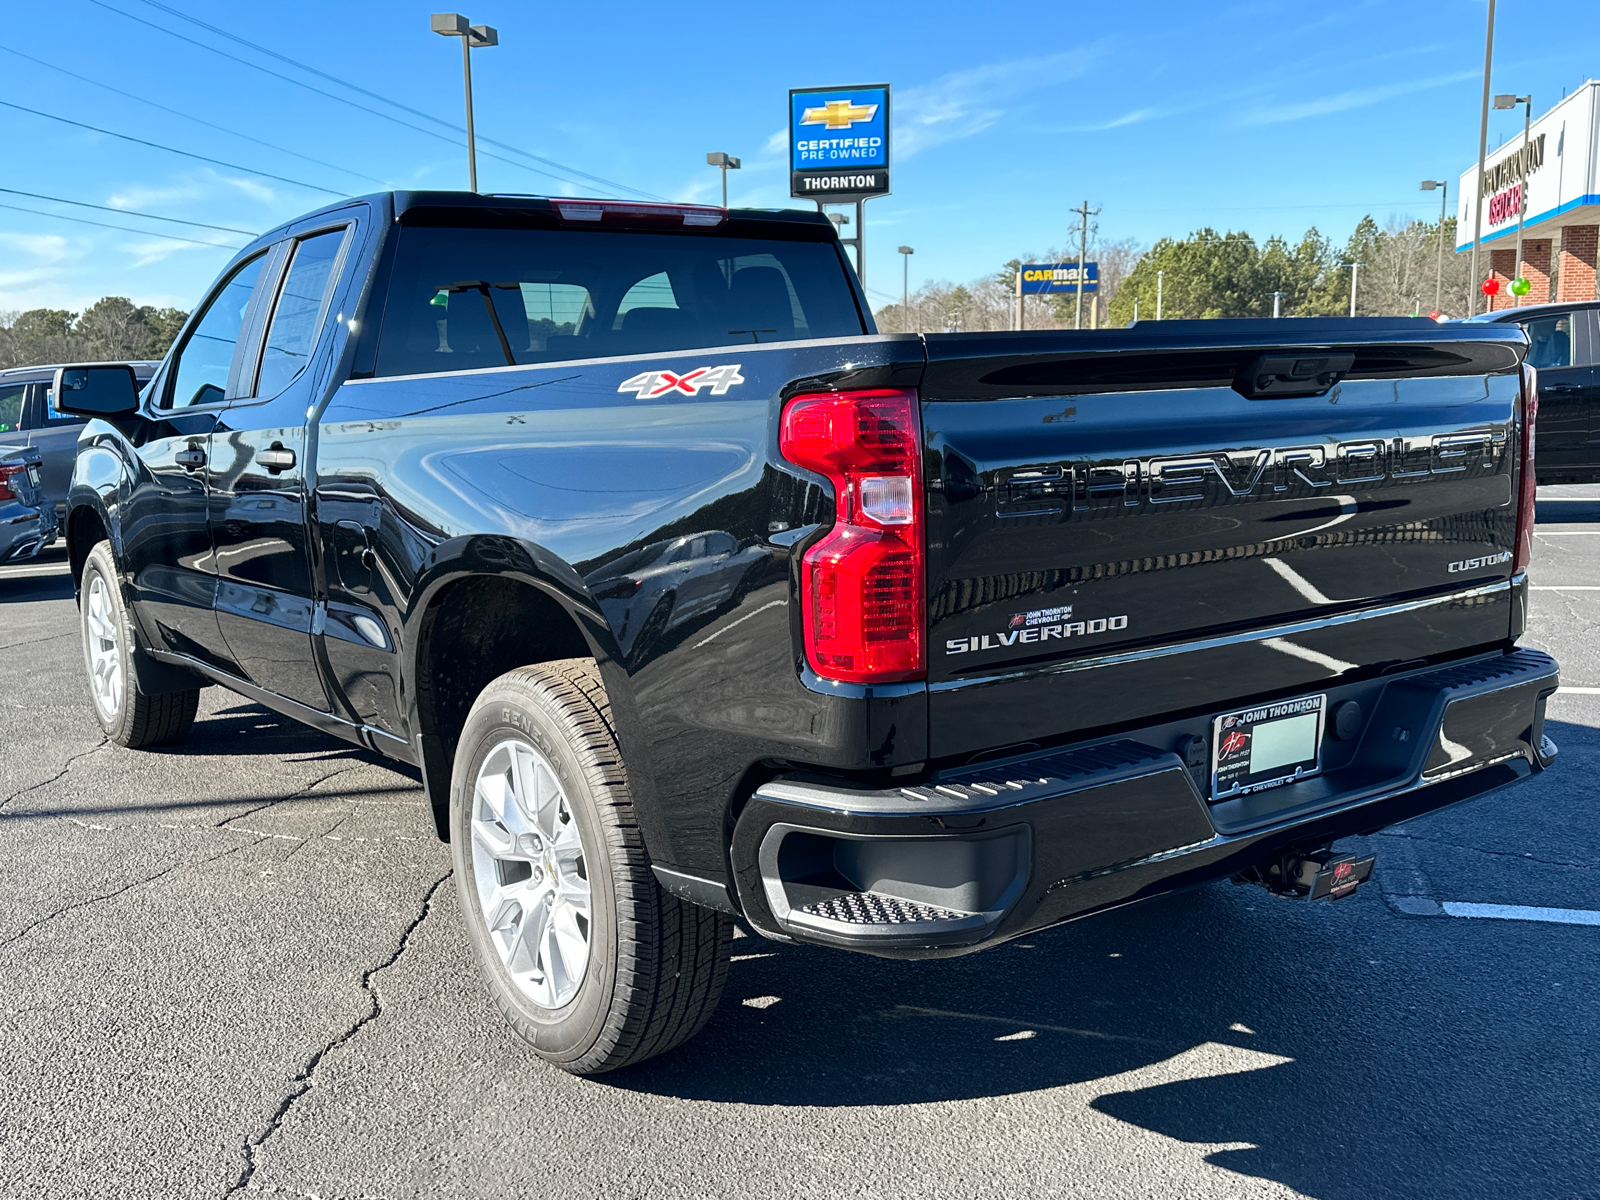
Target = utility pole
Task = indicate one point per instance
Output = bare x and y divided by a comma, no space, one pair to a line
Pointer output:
472,37
1084,214
1159,274
1483,153
1354,267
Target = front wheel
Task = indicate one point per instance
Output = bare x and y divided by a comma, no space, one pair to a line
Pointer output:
590,961
130,716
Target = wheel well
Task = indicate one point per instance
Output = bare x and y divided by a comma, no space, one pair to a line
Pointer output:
474,631
85,531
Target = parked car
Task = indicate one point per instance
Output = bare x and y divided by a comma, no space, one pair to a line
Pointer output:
1565,350
27,521
28,417
1004,630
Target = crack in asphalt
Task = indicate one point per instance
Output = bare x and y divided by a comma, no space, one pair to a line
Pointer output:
1528,858
65,767
294,795
306,1079
112,895
54,637
305,841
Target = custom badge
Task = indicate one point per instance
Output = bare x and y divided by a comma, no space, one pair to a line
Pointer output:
650,384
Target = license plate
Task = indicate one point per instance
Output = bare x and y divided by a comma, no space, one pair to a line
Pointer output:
1266,746
33,476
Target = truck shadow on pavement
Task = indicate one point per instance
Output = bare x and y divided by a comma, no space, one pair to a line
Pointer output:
1346,1051
34,589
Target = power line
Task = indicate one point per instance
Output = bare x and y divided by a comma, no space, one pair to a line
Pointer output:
189,116
128,212
171,237
416,112
319,91
171,149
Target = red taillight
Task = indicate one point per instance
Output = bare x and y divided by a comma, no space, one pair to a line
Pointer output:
7,492
862,585
1528,492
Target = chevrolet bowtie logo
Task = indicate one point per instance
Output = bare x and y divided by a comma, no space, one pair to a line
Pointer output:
838,114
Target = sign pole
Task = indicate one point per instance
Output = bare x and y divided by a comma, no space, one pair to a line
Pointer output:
1018,322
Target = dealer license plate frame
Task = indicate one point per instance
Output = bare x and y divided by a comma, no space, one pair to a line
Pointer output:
1228,780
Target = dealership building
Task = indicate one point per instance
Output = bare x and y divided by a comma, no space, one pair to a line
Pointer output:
1556,175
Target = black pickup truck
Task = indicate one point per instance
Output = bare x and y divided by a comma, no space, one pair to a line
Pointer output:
690,596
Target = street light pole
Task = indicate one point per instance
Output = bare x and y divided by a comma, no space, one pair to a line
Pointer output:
1429,185
905,286
1483,153
728,163
472,37
1277,301
1159,274
1522,200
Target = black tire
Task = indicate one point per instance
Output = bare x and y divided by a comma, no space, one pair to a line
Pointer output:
135,719
656,965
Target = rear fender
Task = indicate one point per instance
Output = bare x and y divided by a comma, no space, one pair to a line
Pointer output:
531,565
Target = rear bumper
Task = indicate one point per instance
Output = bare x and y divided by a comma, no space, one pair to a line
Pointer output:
24,531
976,856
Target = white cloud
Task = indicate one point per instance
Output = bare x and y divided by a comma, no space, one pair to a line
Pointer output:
967,102
46,247
155,250
1344,101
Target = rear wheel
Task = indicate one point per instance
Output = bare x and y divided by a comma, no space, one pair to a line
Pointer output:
590,961
130,716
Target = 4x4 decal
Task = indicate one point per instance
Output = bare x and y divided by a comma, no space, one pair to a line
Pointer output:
650,384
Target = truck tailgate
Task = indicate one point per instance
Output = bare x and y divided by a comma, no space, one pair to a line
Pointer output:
1119,529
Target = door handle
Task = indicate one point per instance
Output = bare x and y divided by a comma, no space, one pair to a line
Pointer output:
191,459
276,459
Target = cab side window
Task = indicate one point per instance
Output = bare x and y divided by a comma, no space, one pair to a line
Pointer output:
200,371
295,322
1552,341
11,395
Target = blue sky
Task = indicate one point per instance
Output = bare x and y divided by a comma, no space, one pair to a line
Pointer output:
1265,116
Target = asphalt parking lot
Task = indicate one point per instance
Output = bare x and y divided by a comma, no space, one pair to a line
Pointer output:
236,966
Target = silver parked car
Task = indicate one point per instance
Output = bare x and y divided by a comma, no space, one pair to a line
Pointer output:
27,519
28,418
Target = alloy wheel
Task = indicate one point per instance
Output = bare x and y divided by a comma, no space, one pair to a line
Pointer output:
532,874
101,640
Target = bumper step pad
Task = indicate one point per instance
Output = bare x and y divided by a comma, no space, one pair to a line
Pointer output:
874,908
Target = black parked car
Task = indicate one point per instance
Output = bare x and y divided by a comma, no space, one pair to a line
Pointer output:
1566,353
28,418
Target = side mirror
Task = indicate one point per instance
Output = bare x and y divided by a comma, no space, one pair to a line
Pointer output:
96,391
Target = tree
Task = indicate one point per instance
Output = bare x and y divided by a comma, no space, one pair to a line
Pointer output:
113,328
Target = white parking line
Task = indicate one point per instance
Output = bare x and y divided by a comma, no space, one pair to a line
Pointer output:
1551,587
1578,691
1569,533
1520,912
34,572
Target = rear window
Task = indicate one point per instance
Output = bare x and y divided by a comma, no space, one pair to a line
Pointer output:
461,299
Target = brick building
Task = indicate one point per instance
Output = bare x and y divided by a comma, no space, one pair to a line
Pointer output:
1552,179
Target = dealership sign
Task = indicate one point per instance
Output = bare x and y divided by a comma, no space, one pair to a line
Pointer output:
1059,277
839,142
1551,176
